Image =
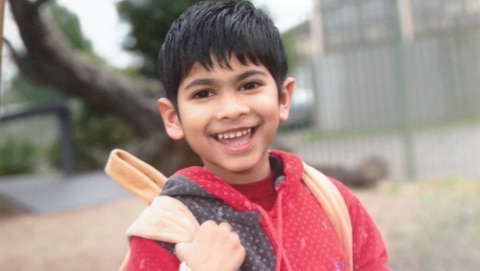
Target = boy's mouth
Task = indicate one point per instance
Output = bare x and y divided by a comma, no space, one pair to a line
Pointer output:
235,139
234,135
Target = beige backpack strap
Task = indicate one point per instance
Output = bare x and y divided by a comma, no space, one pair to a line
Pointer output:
134,175
334,206
165,218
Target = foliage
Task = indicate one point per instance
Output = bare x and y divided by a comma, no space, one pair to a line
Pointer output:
17,157
95,134
70,27
149,21
23,90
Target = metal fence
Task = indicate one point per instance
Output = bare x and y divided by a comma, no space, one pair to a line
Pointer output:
394,79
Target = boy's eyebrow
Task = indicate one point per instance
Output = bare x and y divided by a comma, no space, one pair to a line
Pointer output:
249,73
207,81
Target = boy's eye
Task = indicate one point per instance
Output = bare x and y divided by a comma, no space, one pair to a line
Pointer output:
250,85
202,94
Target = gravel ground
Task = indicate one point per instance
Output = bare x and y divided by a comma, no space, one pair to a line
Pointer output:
430,225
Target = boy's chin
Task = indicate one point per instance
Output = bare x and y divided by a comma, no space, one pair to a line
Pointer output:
241,170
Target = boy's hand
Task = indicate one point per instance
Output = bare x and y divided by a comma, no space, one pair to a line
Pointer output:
215,247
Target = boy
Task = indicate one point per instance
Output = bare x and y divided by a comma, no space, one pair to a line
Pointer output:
224,69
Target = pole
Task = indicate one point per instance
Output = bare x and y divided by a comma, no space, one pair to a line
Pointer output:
2,18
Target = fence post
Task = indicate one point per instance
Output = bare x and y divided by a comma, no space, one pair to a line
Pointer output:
66,141
403,107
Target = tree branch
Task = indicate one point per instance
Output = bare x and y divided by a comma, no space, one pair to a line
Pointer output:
49,59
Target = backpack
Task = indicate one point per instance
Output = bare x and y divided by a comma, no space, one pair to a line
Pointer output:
145,182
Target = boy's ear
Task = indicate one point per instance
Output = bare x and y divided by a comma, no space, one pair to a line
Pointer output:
286,97
170,118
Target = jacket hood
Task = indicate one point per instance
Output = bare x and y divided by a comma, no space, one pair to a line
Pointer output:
197,182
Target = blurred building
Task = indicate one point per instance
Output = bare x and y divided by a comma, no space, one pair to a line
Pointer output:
389,78
375,61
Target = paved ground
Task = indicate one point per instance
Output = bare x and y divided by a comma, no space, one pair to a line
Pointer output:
56,193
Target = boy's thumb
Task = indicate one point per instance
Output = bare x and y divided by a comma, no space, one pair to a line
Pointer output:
182,250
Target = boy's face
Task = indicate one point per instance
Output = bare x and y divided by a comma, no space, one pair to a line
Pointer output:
229,117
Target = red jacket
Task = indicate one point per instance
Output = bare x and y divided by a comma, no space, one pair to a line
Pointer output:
294,235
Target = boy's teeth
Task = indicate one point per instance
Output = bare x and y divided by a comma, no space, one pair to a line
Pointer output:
234,134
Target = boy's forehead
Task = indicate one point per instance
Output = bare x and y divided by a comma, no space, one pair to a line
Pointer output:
229,64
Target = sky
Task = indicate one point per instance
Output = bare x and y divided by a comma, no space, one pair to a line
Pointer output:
101,25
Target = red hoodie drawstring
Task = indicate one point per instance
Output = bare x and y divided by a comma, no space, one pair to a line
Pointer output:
280,233
277,238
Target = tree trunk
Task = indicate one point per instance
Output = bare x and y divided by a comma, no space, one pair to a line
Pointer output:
49,59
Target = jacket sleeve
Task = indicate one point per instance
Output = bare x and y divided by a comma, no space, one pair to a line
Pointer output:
369,251
165,219
146,254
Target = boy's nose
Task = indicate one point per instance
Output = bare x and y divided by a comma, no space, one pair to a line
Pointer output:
231,108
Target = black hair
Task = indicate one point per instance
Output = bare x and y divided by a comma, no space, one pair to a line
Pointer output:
213,31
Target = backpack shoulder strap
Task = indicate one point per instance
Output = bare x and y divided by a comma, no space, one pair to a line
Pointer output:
134,175
165,218
334,206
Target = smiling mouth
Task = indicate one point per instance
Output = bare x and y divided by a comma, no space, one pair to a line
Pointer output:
234,135
236,140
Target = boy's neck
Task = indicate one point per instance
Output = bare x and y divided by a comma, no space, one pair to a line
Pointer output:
261,192
259,172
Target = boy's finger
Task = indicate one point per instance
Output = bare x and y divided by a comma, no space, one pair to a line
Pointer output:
225,226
